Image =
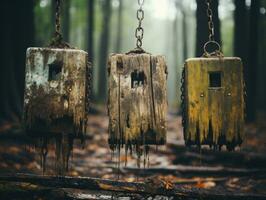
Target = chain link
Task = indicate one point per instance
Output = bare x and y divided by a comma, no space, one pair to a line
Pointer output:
139,33
183,101
210,20
57,19
88,84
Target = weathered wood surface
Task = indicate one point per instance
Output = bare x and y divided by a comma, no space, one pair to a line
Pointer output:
214,115
56,90
26,191
137,103
56,100
44,186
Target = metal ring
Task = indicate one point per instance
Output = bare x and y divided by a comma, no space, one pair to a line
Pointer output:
211,42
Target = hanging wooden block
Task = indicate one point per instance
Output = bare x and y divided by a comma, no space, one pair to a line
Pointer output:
213,101
56,91
56,100
137,104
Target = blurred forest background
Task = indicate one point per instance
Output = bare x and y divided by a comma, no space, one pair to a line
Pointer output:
174,28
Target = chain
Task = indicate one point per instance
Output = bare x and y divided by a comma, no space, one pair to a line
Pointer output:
57,40
183,101
57,18
139,30
210,20
88,84
211,41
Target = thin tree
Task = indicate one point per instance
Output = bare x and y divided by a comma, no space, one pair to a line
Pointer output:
103,50
90,29
252,67
202,24
175,33
119,27
241,29
12,54
53,5
66,19
261,94
184,30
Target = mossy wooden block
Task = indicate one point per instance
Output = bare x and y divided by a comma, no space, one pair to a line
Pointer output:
56,90
214,101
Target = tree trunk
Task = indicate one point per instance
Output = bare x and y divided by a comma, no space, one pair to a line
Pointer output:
66,20
17,35
262,70
5,70
53,16
252,67
184,25
103,50
90,40
175,36
119,28
241,29
90,29
202,25
176,69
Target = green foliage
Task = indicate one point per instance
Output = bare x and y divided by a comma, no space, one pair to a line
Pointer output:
78,23
43,22
227,36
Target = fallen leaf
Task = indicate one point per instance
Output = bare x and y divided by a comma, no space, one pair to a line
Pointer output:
206,185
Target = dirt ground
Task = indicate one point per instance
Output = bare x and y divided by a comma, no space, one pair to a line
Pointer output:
169,164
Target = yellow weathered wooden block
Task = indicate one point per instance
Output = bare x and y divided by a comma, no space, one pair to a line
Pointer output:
213,101
137,103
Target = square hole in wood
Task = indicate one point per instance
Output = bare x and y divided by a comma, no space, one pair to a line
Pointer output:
215,79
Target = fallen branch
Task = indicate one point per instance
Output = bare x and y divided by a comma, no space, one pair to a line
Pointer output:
144,189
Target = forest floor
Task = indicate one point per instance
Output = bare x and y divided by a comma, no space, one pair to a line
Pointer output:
242,171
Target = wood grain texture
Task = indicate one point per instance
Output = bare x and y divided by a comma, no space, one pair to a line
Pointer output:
56,90
56,100
137,104
214,115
